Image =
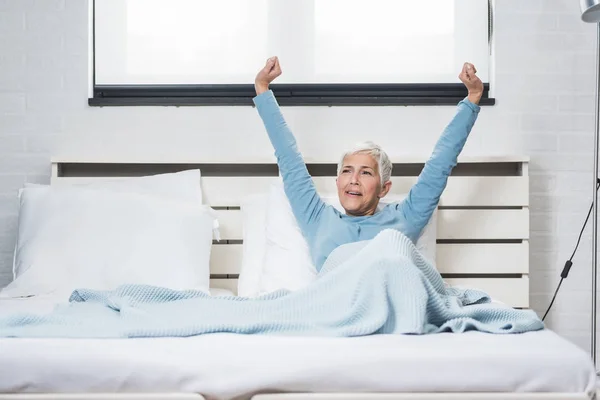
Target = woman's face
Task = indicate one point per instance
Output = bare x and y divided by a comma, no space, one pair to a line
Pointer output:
359,185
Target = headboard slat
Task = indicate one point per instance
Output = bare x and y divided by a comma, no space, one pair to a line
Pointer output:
461,191
464,224
455,259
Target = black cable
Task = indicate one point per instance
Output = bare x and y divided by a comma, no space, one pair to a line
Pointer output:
569,263
553,298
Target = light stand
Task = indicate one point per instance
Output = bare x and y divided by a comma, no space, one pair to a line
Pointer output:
590,12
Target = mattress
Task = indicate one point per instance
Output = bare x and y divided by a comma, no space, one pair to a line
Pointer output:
226,366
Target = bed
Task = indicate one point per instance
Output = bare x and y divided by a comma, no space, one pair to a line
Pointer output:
481,234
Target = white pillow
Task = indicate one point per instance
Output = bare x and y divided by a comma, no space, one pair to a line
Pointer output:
252,272
74,237
287,262
181,186
253,209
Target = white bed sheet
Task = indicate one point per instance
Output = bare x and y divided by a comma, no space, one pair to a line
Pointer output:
228,366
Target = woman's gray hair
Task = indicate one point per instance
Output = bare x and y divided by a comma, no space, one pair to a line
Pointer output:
383,161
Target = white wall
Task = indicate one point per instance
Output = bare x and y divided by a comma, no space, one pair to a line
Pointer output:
544,88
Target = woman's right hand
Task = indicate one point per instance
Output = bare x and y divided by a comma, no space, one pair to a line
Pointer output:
265,76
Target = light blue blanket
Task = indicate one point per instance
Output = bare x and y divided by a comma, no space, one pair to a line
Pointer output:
381,286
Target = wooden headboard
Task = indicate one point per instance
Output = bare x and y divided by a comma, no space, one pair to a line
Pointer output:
483,215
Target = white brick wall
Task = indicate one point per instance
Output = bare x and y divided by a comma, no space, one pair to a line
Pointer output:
543,84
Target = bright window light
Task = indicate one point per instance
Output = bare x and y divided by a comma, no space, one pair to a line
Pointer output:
317,41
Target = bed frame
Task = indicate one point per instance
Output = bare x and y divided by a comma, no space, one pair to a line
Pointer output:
482,227
483,236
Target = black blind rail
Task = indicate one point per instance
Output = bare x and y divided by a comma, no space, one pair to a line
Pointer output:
287,94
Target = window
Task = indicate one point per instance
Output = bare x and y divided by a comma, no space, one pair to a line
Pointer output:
331,51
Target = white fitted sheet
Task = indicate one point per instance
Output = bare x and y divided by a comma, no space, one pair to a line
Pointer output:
228,366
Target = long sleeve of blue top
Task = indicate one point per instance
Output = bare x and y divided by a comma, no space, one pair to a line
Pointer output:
324,227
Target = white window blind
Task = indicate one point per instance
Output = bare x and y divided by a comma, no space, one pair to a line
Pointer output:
318,41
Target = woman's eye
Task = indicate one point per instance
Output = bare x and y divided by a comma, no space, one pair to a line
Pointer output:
367,172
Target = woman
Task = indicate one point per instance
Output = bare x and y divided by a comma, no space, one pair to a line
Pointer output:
363,175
